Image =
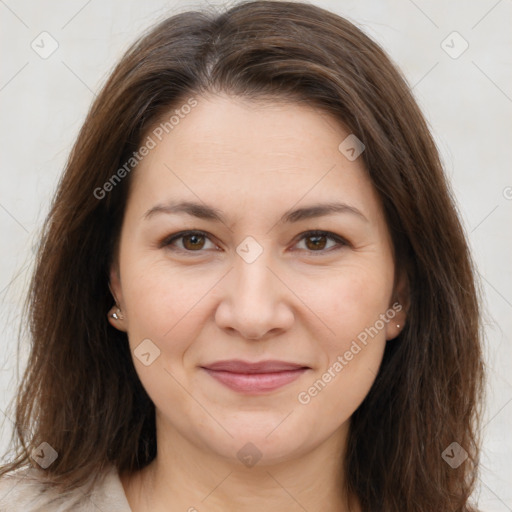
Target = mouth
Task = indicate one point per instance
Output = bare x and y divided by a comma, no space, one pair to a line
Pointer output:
254,378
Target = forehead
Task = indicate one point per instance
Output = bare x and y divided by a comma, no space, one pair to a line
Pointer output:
253,153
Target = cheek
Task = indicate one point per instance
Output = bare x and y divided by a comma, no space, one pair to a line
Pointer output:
163,303
335,394
350,301
351,306
155,285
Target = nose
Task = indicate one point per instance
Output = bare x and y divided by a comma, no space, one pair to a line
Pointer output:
254,301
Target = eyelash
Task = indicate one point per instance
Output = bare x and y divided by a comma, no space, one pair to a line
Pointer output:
167,242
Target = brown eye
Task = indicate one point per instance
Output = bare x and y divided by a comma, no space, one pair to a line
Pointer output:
195,241
187,241
316,242
192,242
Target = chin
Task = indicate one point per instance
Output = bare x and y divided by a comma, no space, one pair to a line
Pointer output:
267,441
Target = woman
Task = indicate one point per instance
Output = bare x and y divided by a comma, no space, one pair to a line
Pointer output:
253,289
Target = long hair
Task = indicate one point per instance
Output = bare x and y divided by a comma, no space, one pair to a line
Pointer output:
80,392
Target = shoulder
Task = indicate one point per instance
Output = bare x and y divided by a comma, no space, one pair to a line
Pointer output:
27,490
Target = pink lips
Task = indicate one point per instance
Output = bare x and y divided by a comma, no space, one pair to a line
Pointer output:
254,378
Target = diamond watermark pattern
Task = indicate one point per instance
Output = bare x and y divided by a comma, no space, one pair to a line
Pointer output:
44,455
351,147
249,249
454,45
454,455
249,455
44,45
146,352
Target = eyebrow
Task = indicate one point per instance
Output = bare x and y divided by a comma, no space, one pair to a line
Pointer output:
203,211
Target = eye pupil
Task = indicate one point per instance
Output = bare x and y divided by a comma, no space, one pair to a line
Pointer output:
194,238
316,244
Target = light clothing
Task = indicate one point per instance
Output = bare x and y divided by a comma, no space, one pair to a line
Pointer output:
25,491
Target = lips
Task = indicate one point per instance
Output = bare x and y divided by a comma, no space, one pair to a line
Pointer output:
239,366
254,377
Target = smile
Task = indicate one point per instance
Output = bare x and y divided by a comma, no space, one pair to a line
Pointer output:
254,378
254,383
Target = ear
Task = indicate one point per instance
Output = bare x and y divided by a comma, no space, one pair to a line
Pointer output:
398,307
117,295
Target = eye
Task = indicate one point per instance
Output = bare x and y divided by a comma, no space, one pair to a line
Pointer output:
316,241
195,241
191,241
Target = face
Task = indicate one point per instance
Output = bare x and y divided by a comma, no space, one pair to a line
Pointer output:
257,271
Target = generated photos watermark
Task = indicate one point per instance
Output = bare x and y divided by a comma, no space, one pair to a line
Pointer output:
305,397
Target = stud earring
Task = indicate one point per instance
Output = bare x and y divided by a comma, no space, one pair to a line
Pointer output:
398,326
117,315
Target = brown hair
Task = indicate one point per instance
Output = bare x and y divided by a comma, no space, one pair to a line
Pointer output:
80,392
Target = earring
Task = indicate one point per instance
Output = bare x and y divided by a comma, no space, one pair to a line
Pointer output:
398,326
117,315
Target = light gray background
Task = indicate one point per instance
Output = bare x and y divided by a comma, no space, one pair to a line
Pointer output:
467,101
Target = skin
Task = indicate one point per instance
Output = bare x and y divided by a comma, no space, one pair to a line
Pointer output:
295,302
